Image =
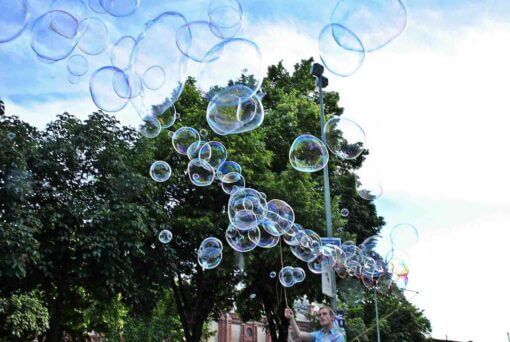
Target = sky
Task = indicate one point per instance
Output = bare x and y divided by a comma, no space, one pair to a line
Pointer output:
433,104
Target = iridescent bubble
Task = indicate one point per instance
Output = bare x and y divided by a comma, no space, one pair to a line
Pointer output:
154,77
344,212
183,138
45,60
350,249
213,152
325,260
309,247
203,133
267,240
298,274
226,168
149,127
73,79
50,44
340,50
272,274
105,85
160,171
129,90
95,6
76,8
165,236
120,8
13,19
77,65
93,36
308,154
120,54
232,182
226,17
281,214
210,253
168,58
404,236
196,39
375,22
194,150
242,240
167,119
368,184
291,236
286,277
345,138
200,172
246,208
224,72
384,283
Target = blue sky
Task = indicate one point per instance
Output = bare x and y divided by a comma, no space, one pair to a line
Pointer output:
433,104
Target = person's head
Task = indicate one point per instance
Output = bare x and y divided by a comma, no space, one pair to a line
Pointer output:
326,317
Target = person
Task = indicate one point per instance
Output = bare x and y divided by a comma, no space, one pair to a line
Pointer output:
328,332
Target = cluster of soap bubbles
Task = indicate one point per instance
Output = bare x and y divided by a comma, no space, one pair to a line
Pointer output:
289,275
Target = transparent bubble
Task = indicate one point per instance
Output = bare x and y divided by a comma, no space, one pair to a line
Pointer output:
272,274
50,43
308,154
298,274
120,54
76,8
227,113
14,17
350,250
93,36
368,246
196,39
309,247
242,240
210,253
286,277
149,127
167,118
73,79
368,184
281,214
129,90
200,172
154,77
165,236
77,65
232,182
153,49
325,260
183,138
344,138
105,85
45,60
375,22
270,227
267,240
226,71
246,208
226,17
214,153
384,283
203,133
403,236
344,212
194,149
95,6
291,236
341,51
160,171
120,8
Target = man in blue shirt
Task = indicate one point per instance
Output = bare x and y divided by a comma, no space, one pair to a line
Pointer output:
329,331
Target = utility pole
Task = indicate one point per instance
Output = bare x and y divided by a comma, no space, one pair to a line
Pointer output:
317,70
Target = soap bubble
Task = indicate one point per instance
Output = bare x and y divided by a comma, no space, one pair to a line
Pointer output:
309,247
165,236
149,127
93,36
203,133
308,154
160,171
375,22
403,236
77,65
200,172
246,208
286,276
281,214
226,16
291,236
226,168
120,54
50,44
105,86
242,240
214,153
194,150
223,74
272,274
232,182
344,137
76,8
340,50
368,184
13,19
267,240
95,6
298,274
73,79
167,118
195,39
153,49
210,253
325,260
183,138
344,212
120,8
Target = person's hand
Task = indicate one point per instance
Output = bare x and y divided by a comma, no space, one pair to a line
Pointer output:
288,313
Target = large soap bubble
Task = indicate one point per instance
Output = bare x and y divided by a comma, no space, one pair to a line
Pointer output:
109,88
210,253
13,19
233,63
93,36
154,48
334,53
120,54
213,152
308,154
375,22
281,214
242,240
77,65
226,16
325,260
226,168
403,236
286,276
150,127
76,8
183,138
200,172
50,43
344,137
120,8
267,240
160,171
246,208
309,246
368,184
232,182
196,39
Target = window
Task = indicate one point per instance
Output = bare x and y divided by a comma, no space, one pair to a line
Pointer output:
249,332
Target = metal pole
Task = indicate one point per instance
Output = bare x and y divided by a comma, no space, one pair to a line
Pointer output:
377,317
508,336
327,193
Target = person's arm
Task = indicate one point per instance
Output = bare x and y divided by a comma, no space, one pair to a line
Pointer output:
304,336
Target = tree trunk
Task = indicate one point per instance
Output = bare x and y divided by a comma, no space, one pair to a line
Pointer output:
57,309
